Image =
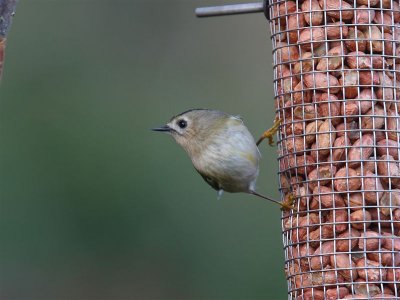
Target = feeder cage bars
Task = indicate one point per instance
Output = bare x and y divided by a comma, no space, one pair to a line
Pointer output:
337,93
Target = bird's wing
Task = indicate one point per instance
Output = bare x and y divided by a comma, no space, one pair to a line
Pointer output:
211,181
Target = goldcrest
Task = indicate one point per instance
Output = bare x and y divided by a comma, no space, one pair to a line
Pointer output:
221,148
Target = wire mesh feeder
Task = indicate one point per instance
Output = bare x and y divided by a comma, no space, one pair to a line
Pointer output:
337,91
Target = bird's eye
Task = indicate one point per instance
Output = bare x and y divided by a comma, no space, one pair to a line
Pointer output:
182,123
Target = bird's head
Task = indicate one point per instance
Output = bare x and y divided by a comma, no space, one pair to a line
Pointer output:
193,128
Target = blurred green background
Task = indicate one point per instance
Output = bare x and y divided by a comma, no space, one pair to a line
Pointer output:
96,206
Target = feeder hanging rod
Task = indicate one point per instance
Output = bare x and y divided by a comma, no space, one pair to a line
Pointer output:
233,9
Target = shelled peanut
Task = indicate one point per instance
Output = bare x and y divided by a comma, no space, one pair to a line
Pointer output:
337,71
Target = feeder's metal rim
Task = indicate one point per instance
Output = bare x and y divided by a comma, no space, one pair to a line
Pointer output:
233,9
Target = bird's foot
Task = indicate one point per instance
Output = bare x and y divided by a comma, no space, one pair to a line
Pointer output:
269,133
288,203
219,194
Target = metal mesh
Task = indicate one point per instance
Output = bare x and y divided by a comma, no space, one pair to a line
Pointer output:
337,92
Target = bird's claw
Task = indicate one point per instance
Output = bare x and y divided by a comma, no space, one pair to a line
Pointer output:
269,133
289,203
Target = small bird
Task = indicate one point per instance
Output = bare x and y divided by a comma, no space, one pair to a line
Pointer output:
221,148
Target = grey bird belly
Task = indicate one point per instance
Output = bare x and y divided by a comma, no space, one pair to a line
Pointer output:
230,163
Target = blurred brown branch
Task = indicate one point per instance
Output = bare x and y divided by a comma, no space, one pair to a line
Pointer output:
7,11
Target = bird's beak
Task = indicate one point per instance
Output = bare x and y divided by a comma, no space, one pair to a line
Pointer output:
164,128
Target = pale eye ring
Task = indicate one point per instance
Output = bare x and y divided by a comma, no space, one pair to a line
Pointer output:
182,123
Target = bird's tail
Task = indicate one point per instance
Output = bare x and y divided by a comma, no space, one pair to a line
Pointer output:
284,206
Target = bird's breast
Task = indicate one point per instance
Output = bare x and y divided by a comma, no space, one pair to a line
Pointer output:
232,158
